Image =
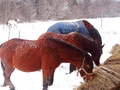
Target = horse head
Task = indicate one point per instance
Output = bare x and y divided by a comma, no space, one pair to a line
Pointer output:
97,54
86,68
93,32
90,46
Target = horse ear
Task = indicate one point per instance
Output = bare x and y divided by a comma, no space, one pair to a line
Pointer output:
102,46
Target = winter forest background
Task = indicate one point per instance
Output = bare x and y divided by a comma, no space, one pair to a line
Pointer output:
32,10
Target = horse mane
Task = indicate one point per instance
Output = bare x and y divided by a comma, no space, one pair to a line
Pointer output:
87,41
83,36
62,42
93,31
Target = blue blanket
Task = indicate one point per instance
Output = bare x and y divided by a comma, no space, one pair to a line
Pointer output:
67,27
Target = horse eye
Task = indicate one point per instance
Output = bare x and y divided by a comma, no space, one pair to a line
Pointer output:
88,66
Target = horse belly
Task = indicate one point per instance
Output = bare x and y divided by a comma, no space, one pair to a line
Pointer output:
27,64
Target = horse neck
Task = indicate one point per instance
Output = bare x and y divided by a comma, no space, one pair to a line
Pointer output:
75,59
87,24
87,44
95,35
91,47
67,52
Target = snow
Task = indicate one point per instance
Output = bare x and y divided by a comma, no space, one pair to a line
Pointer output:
107,27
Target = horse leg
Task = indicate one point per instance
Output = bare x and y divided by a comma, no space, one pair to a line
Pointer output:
48,80
7,73
51,78
72,68
45,84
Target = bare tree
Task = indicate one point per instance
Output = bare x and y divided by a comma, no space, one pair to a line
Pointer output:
27,10
8,10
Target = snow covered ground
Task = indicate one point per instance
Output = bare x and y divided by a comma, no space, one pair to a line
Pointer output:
110,33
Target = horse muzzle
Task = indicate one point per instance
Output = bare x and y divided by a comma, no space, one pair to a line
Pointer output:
89,76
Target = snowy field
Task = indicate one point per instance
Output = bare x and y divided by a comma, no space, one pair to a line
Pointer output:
110,33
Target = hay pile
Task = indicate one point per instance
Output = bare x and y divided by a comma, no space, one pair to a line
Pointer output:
107,76
115,49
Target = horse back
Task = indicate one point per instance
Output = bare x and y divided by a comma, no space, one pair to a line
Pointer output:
61,45
7,49
74,38
67,27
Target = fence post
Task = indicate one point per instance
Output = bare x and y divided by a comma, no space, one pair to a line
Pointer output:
101,20
19,34
9,32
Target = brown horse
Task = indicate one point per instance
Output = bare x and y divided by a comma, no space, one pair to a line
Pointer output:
81,26
93,33
46,53
82,42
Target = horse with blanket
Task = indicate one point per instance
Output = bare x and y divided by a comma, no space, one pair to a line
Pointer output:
81,26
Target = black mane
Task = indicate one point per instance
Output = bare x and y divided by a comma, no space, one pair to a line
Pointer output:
62,42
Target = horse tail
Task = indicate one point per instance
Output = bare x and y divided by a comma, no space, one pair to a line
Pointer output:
1,45
0,59
2,66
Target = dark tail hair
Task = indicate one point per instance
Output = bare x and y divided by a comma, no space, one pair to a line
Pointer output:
2,66
1,45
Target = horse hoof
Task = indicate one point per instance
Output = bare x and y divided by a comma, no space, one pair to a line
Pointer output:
12,88
44,89
3,85
67,73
